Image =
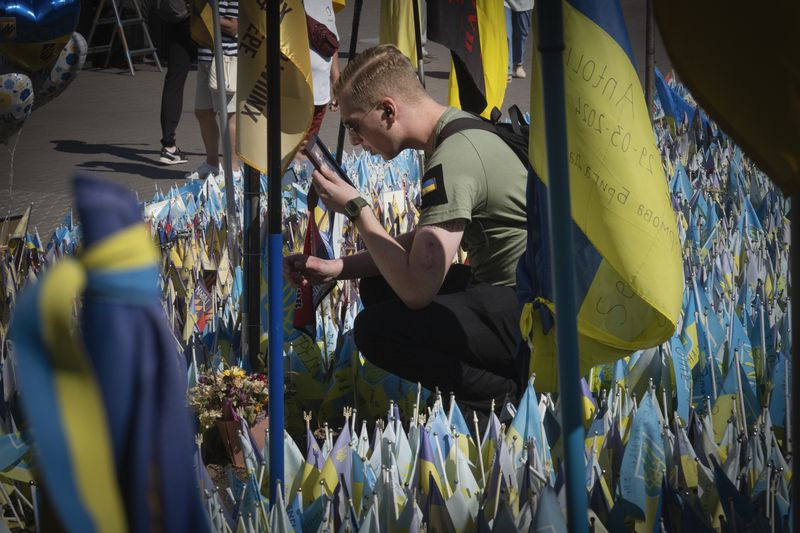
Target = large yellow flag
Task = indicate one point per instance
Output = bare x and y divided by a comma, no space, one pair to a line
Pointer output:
338,5
494,51
397,27
627,255
297,97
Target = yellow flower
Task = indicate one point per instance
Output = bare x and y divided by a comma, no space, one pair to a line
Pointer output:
234,371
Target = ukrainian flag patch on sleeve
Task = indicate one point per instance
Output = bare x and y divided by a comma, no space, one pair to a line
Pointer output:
432,187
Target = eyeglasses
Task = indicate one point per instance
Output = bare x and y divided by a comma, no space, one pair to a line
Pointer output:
352,128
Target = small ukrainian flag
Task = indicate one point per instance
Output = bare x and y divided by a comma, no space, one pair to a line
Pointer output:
429,185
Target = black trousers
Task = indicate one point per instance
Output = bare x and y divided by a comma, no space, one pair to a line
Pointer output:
181,50
466,341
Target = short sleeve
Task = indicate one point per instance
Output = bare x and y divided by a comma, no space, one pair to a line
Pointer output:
454,183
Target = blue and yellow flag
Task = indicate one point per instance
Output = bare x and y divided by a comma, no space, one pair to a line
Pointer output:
339,462
627,252
297,97
105,398
644,464
526,427
683,378
427,464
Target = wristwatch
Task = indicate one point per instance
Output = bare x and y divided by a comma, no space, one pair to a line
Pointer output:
353,208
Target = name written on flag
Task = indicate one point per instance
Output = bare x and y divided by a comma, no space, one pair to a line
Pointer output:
250,43
604,106
296,95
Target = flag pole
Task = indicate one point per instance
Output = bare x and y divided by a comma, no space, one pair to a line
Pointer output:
418,42
551,47
350,55
275,248
420,70
251,265
650,58
794,436
225,135
251,268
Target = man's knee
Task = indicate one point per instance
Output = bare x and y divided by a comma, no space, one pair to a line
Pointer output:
364,331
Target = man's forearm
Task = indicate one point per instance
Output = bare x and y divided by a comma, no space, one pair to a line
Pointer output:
358,266
362,265
415,282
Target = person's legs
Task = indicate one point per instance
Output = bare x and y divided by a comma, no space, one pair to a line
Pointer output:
207,119
316,121
209,131
232,129
464,342
180,50
521,22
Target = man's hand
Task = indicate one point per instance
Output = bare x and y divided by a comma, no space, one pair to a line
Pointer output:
301,269
229,26
332,190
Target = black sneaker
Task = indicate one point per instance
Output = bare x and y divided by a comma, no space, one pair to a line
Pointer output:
172,158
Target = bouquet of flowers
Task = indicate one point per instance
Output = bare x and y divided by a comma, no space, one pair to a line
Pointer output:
228,394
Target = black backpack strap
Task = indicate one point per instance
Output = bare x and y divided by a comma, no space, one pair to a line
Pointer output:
516,119
461,124
479,123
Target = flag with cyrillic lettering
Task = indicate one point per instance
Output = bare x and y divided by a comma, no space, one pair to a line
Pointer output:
627,253
297,98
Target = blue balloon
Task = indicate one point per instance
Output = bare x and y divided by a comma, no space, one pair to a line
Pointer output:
36,21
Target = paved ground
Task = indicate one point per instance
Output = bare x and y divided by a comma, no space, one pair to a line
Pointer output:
107,123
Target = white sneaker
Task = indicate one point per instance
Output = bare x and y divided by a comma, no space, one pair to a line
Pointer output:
203,171
519,72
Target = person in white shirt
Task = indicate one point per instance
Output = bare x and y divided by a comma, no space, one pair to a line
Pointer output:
205,103
324,70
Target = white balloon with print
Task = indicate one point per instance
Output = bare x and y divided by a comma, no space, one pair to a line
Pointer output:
52,82
16,103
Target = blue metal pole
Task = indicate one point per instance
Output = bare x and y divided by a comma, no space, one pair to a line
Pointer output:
551,47
794,416
275,248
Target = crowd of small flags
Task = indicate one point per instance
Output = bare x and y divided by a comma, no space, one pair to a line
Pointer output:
689,434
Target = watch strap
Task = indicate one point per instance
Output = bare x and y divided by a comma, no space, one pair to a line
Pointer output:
353,208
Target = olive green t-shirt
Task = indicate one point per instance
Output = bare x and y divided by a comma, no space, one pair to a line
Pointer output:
473,175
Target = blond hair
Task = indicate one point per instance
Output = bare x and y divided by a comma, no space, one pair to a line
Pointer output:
376,72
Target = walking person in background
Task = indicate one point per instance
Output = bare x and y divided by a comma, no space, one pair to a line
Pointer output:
205,103
518,23
324,47
181,52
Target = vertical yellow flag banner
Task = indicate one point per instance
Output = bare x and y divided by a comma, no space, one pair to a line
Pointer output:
494,52
297,97
397,27
628,262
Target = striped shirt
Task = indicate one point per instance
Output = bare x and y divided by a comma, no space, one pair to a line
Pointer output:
229,9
